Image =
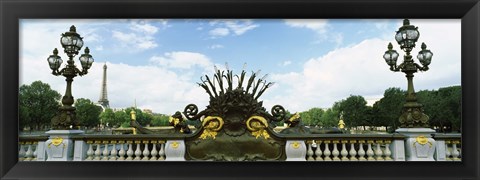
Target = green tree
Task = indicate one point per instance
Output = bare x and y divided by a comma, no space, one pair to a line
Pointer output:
443,106
108,117
452,103
122,118
141,117
330,118
312,117
387,110
354,110
87,112
160,120
38,104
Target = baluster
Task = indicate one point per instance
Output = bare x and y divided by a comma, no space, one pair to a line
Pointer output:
35,144
90,151
370,151
29,153
130,150
154,151
327,152
318,151
344,151
122,152
361,152
105,151
98,152
161,152
113,152
146,151
138,152
378,151
353,152
309,151
21,152
455,152
335,151
387,152
447,151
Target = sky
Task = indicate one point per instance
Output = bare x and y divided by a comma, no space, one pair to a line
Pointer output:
313,62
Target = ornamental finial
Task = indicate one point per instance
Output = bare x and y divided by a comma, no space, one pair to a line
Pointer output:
73,28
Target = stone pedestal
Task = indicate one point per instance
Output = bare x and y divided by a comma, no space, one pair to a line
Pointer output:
59,146
175,150
295,150
419,144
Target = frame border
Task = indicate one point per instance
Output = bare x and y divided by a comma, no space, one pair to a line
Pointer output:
12,11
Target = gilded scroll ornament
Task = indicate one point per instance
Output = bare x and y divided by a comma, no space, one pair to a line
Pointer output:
257,125
211,125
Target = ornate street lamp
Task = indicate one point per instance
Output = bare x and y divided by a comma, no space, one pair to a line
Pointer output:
72,43
407,36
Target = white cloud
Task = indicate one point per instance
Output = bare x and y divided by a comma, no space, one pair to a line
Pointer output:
318,25
240,27
234,27
219,32
286,63
140,34
182,60
143,27
99,48
216,46
138,41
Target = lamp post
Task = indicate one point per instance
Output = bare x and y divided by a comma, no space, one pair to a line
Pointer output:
72,43
407,35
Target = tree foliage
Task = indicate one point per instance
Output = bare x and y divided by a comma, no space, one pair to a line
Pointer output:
354,110
87,112
141,117
160,120
38,104
443,106
387,110
107,117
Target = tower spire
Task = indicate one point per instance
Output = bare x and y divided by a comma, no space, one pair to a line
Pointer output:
103,94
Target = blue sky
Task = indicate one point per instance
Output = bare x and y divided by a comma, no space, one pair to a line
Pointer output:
313,62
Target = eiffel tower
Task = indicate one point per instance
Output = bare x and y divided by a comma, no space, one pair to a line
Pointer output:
103,94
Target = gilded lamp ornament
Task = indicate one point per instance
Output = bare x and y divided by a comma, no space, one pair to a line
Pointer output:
72,43
406,37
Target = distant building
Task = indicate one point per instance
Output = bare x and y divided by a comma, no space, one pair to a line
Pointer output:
148,111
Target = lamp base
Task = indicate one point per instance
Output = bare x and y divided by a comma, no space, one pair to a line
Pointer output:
65,119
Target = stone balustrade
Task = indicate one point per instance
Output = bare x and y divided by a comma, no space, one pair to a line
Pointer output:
32,148
355,147
315,147
449,147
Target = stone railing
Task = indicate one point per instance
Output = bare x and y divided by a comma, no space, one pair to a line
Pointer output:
171,147
126,147
32,148
449,147
351,147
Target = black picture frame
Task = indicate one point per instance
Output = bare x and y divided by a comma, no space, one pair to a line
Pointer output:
13,10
